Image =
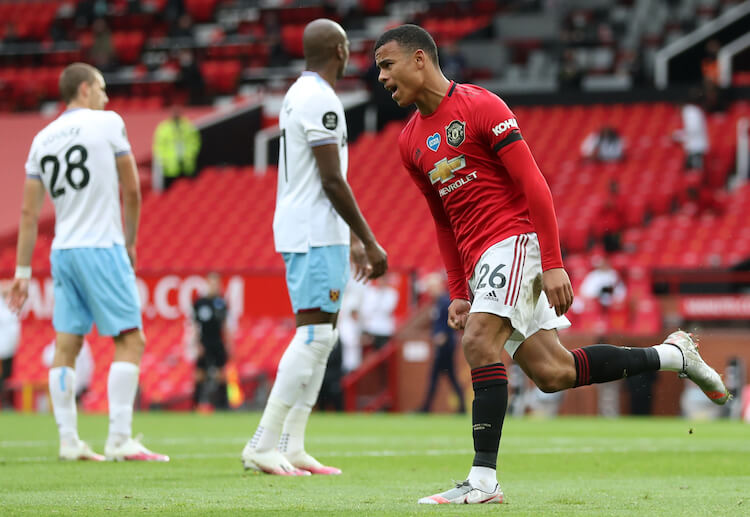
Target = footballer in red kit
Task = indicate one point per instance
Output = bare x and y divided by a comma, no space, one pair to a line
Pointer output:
456,157
498,237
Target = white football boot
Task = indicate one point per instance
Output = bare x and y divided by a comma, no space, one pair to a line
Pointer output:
304,461
270,462
696,369
78,450
464,493
132,450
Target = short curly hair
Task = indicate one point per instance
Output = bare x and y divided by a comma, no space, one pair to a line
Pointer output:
411,38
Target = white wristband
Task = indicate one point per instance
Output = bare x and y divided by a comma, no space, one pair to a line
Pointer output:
23,272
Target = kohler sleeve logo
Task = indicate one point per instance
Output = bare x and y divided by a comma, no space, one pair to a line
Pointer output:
505,125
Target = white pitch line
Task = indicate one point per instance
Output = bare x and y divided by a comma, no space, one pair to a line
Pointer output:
432,452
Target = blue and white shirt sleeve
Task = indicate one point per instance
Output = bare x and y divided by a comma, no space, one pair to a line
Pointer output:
33,167
320,121
117,135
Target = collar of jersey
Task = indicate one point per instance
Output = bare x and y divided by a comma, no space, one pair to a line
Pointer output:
71,110
442,101
317,76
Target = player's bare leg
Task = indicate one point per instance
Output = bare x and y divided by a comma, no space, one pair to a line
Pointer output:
553,368
483,341
122,385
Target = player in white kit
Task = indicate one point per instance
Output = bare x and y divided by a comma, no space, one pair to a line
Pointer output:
315,216
80,158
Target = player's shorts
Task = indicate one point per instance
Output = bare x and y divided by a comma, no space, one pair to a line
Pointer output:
507,281
316,279
214,354
94,285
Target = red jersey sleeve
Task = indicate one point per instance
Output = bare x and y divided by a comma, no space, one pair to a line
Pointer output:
457,285
499,127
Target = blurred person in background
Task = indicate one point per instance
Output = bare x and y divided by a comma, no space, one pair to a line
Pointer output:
10,331
379,301
318,229
605,145
443,339
190,78
603,285
693,135
453,62
93,255
177,143
183,29
102,50
210,315
350,326
610,221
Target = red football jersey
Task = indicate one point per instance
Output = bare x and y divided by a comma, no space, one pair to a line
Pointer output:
469,160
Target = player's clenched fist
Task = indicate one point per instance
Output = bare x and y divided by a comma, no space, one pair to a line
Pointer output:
378,259
458,313
556,285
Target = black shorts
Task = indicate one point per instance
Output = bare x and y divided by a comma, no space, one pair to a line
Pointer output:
213,356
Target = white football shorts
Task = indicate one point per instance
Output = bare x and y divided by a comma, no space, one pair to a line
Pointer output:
507,281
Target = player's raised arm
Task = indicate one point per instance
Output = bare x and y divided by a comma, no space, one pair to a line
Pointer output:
130,186
340,194
33,199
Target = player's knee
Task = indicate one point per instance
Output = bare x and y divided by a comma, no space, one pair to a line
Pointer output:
551,379
478,348
131,345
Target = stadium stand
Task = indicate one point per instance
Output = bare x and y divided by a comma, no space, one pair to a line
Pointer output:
209,223
222,219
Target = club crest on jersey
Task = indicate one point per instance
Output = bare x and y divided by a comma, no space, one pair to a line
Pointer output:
334,294
455,133
433,142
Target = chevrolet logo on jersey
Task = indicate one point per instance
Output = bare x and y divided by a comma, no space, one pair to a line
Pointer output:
444,169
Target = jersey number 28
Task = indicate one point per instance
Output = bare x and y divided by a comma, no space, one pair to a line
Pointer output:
76,183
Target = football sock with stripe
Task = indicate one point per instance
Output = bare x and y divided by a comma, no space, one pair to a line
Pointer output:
604,363
293,435
62,391
294,376
490,384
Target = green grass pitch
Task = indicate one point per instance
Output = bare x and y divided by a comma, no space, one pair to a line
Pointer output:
567,466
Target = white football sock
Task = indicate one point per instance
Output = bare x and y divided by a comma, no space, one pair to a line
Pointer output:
62,391
122,384
294,375
293,434
483,478
670,357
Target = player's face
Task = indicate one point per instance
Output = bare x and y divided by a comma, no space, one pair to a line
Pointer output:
399,73
214,285
97,94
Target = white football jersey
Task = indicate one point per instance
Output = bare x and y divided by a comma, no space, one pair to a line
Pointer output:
74,156
311,115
